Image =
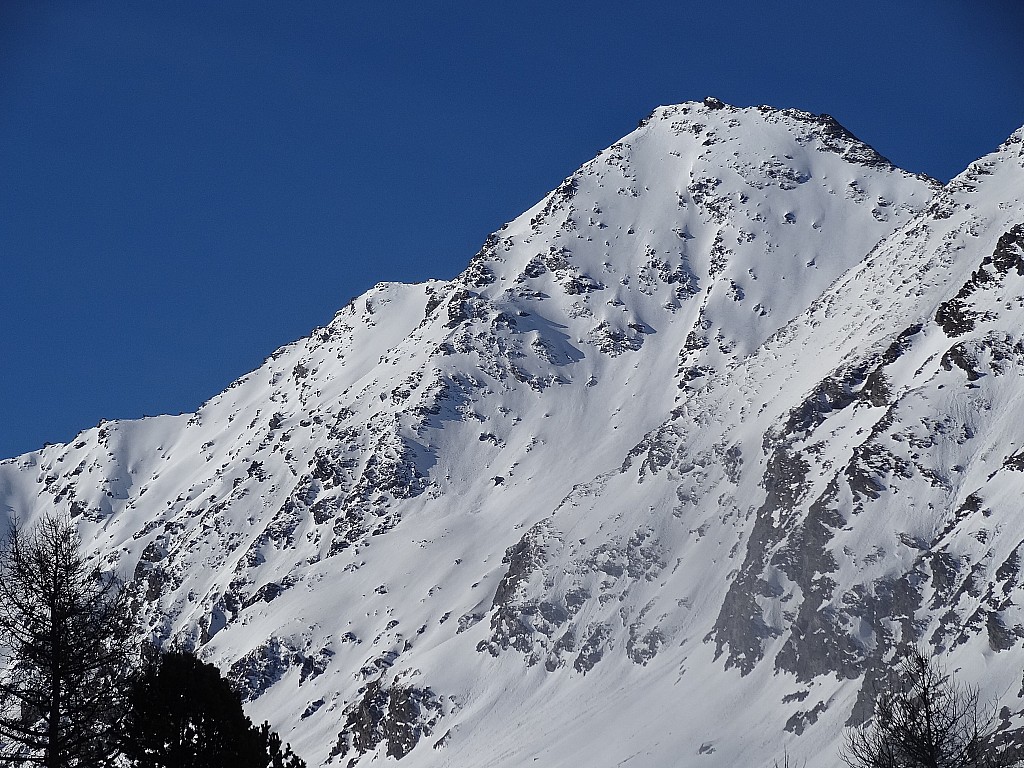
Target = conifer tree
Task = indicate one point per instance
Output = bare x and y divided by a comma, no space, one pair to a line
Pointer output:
65,640
183,713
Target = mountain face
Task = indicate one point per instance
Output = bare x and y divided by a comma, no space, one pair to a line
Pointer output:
666,477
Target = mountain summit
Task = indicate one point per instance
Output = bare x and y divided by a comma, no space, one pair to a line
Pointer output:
668,475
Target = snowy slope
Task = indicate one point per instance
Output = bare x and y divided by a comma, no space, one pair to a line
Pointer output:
663,478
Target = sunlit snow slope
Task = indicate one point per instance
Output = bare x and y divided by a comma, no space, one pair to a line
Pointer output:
666,477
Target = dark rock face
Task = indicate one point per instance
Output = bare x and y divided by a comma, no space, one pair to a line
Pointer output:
538,603
255,672
517,617
592,648
955,315
396,717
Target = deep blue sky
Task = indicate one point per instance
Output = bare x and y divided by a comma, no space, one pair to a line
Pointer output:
186,186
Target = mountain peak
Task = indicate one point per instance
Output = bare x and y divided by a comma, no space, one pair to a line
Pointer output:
824,130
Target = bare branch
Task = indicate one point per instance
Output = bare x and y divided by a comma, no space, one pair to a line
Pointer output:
926,719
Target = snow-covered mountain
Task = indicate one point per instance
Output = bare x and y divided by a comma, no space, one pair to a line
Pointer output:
665,477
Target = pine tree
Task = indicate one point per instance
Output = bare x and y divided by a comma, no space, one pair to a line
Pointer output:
65,639
182,712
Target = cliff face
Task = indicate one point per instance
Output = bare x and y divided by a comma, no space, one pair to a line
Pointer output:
667,474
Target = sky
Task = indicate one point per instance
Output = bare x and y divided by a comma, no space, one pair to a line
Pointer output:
186,186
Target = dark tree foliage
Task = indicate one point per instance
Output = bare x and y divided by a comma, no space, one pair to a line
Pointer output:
926,720
65,635
278,755
183,714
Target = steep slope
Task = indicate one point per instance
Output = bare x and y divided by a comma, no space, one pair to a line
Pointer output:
666,475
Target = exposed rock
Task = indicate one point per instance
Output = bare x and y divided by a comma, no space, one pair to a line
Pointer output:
396,717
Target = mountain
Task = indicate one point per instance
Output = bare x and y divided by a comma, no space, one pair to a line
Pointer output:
666,477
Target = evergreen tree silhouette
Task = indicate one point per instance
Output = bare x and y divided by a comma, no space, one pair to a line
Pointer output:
184,714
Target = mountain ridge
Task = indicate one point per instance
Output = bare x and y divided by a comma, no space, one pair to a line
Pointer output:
645,448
